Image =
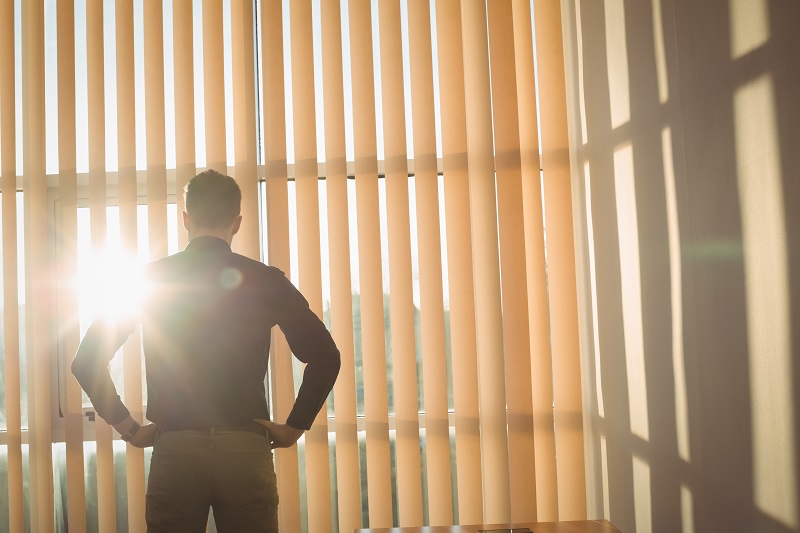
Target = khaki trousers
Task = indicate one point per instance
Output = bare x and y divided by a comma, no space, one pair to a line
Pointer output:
229,471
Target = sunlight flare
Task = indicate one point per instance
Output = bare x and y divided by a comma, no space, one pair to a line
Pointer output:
111,285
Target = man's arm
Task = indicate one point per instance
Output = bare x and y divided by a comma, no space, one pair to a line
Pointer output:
90,368
311,342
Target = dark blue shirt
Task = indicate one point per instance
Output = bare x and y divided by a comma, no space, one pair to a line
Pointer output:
206,328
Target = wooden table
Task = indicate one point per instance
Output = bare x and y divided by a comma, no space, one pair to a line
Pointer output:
584,526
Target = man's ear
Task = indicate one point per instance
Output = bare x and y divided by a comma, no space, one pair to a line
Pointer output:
186,221
237,225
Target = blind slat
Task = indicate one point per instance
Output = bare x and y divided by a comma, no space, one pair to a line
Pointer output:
68,297
459,245
308,243
567,405
539,328
347,460
488,313
155,129
106,493
214,86
401,304
183,51
379,481
244,121
128,216
38,282
282,388
282,384
434,356
516,339
8,192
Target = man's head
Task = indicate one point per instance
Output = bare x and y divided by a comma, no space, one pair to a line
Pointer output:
213,206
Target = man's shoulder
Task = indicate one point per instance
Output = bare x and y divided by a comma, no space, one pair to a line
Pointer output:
164,263
175,264
257,265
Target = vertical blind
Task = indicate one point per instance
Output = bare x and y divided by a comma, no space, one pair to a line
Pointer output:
389,158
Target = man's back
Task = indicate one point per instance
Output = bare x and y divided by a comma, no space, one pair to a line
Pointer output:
206,331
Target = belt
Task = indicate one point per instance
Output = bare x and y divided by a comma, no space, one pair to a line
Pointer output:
252,428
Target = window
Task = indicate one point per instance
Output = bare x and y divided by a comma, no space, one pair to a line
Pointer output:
124,133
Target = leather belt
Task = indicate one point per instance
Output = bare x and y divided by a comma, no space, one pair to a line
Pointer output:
252,428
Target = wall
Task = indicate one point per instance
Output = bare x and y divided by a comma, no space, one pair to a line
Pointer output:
685,125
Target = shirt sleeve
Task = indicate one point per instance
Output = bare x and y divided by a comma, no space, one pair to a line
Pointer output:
90,367
312,344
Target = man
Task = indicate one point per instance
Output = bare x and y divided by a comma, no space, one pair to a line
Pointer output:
206,331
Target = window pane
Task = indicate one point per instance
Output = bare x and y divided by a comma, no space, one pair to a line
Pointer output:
104,274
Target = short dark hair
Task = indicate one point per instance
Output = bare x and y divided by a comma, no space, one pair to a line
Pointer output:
213,200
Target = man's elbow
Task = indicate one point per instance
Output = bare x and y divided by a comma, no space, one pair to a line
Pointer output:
80,368
336,362
84,364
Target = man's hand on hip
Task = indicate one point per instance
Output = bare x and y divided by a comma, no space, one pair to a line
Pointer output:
139,436
281,435
145,437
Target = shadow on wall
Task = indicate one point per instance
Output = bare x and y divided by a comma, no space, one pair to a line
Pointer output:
686,120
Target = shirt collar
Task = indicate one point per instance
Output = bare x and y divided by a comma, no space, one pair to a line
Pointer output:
208,243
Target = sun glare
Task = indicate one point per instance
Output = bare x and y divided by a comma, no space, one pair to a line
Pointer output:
111,285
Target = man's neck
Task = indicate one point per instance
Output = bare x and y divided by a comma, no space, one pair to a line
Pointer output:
224,235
